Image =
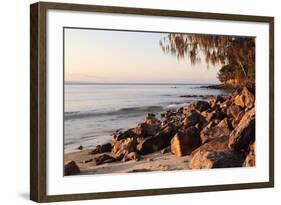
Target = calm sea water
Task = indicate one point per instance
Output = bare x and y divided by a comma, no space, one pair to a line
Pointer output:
94,111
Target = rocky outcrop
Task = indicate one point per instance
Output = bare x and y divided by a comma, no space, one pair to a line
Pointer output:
216,133
216,159
185,141
244,133
71,168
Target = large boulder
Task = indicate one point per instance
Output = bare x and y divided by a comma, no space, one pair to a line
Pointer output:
199,106
244,133
192,119
210,133
145,129
245,99
124,147
184,142
250,160
215,144
156,142
101,148
216,159
71,168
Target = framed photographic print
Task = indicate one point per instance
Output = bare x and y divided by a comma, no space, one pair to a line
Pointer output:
134,102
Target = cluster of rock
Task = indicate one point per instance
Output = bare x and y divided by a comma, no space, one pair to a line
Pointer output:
216,133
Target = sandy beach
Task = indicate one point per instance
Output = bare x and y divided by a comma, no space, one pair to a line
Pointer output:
151,162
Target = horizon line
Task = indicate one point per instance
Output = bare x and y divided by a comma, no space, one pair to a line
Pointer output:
178,83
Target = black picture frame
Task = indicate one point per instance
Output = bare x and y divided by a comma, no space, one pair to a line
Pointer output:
38,101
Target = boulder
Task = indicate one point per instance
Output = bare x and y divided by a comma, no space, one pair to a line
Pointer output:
245,99
199,106
210,133
124,147
250,160
145,129
192,119
71,168
216,159
101,148
233,111
244,133
215,144
119,135
212,115
185,141
102,159
156,142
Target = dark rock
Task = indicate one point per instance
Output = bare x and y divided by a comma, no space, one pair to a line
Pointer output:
250,160
102,159
244,133
87,161
216,101
80,147
192,119
184,142
245,99
102,148
200,105
215,144
71,168
210,133
119,134
156,142
233,111
216,159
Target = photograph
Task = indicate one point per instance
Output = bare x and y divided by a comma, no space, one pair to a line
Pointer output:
141,101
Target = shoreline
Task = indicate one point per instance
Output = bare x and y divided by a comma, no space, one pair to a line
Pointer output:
182,139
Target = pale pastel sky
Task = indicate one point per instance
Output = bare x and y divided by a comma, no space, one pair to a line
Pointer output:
103,56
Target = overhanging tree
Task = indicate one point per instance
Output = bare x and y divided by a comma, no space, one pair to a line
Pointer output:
236,52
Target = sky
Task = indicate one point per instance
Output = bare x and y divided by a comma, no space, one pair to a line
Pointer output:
104,56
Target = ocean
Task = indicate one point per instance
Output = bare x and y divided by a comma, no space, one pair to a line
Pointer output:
92,112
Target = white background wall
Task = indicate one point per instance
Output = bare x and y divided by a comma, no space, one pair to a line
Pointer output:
14,102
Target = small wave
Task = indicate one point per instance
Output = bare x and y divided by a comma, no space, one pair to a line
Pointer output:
122,111
176,105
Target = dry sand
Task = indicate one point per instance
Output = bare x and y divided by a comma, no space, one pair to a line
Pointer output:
151,162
